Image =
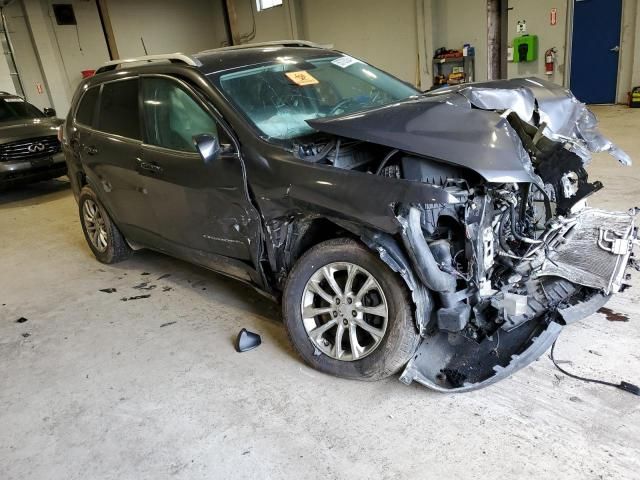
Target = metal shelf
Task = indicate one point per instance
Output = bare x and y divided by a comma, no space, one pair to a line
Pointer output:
444,66
449,60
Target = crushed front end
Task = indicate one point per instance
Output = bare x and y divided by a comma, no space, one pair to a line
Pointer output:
507,284
514,254
512,263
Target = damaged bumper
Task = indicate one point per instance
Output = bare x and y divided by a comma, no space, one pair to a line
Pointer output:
591,249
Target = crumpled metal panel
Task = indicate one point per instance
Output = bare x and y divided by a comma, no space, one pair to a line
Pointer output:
580,257
445,127
566,117
462,125
520,100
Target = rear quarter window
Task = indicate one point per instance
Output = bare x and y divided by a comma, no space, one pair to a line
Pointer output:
86,110
119,109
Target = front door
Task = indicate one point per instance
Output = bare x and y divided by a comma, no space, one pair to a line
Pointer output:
198,207
595,50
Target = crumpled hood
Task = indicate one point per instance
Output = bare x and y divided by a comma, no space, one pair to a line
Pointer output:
445,127
564,116
466,125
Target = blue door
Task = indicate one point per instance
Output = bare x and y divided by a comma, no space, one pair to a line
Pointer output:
595,49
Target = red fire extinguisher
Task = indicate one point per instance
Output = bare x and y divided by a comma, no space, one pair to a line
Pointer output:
549,60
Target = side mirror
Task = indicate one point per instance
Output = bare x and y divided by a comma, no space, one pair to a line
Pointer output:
50,112
208,146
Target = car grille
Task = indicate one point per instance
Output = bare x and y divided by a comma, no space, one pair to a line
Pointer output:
29,148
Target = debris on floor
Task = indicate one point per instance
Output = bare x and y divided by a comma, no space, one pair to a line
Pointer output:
145,273
26,335
247,340
166,289
613,316
136,297
163,276
144,286
21,320
167,324
108,290
625,386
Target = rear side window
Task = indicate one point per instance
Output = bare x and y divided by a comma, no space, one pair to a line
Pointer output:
87,107
119,109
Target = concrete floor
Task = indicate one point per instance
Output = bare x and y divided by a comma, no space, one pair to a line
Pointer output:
95,388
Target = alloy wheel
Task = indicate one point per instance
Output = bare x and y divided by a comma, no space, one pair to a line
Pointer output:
95,225
344,311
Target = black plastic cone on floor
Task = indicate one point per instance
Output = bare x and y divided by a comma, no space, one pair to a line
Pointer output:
247,340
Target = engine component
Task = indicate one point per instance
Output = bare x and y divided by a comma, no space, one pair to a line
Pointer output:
455,318
426,265
514,304
428,171
339,153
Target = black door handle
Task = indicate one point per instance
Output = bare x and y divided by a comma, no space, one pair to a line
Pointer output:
90,149
148,166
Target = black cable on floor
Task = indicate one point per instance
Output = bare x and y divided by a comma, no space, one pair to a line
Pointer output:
626,386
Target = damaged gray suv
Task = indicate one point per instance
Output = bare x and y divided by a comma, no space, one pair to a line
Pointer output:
445,235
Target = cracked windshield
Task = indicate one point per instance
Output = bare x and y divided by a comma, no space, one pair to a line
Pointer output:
279,98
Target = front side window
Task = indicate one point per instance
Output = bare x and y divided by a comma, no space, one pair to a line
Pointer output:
13,108
172,117
279,97
119,109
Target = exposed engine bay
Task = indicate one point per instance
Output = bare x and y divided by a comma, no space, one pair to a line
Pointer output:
516,254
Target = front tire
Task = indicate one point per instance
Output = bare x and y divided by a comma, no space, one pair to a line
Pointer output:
347,314
103,236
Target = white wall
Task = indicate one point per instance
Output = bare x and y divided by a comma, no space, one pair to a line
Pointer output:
456,22
167,26
271,24
537,15
397,35
27,63
82,46
629,71
61,52
381,32
48,52
635,72
6,83
377,31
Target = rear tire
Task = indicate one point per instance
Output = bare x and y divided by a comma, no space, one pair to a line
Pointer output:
385,334
102,235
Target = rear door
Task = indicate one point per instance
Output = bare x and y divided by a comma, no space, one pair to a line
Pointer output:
111,152
198,207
